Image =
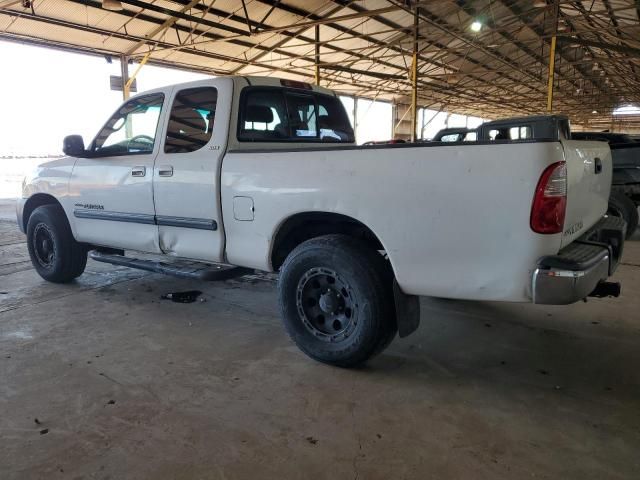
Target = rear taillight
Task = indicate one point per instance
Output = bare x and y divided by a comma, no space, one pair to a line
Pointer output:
550,200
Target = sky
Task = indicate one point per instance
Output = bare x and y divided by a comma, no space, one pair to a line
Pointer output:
50,94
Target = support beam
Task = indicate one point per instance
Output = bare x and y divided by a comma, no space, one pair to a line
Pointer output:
323,21
604,46
317,49
130,80
414,77
124,72
552,57
168,23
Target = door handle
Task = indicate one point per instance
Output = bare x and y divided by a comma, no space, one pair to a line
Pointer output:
598,165
165,171
138,171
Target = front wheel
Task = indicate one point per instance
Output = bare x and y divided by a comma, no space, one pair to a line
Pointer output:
336,300
622,206
55,254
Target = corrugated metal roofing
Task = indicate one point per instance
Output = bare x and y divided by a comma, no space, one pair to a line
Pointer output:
366,46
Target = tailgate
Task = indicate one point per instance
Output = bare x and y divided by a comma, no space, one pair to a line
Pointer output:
588,185
625,155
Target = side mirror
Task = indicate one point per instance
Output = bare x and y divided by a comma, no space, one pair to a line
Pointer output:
73,145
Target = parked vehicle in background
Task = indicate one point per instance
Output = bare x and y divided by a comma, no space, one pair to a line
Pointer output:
230,174
625,190
455,135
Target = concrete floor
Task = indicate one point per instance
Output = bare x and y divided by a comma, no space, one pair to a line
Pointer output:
101,379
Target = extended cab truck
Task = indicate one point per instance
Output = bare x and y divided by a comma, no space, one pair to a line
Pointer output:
261,173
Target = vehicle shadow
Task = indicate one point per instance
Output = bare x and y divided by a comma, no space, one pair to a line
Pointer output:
535,349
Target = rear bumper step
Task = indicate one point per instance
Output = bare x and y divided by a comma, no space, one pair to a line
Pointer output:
193,270
582,268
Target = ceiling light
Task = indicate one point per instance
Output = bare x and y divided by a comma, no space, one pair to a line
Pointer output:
112,5
476,26
594,111
539,4
627,110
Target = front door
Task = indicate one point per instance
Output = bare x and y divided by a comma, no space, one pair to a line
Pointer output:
187,172
112,190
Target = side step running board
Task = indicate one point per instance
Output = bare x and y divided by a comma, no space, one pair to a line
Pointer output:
197,271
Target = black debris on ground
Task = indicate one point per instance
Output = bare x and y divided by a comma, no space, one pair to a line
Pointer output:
189,296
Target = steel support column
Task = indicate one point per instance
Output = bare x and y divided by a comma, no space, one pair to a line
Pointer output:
124,72
414,77
552,57
317,66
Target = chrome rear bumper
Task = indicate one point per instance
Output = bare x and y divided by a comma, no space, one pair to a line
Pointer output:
578,269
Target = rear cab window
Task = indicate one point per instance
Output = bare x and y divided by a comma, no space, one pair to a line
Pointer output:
273,114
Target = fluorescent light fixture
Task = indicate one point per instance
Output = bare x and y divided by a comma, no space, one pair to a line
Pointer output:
112,5
476,26
627,110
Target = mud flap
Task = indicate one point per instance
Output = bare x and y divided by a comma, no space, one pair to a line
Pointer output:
407,311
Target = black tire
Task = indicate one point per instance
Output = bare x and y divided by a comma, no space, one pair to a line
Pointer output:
622,206
344,321
55,254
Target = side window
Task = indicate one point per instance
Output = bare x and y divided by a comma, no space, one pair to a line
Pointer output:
191,121
520,133
452,137
471,137
132,129
499,134
263,116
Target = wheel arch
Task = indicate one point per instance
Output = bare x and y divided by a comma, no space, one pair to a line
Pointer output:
304,226
35,201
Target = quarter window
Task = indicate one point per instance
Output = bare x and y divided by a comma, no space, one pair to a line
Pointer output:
132,129
191,121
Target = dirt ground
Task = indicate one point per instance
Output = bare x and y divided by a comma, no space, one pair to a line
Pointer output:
101,379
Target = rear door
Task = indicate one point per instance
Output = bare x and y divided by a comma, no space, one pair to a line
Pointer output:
588,185
186,177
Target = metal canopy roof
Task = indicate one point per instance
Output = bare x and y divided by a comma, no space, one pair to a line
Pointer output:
365,48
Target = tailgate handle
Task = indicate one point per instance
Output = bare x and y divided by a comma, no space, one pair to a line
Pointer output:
598,163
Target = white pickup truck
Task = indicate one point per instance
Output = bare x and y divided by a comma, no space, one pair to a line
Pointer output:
223,175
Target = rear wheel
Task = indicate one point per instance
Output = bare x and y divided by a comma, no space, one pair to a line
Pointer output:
55,254
622,206
336,300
